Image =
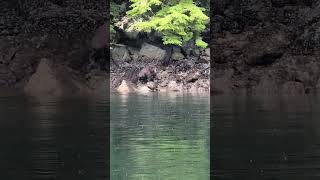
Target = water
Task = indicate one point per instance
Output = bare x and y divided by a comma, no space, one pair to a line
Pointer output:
53,138
266,138
160,137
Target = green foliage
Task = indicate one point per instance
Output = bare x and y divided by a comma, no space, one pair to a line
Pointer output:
177,21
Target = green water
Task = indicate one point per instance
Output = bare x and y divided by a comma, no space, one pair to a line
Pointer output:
160,137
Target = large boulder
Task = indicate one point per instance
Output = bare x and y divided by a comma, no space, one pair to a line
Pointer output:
120,53
176,56
151,52
126,87
52,81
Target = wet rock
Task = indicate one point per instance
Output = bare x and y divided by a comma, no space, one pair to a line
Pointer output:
204,59
151,52
134,53
293,88
192,77
222,82
317,88
310,39
143,89
207,52
120,53
176,56
267,85
174,86
99,84
125,88
267,49
152,86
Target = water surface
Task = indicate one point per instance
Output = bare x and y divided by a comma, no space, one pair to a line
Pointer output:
266,138
159,137
53,138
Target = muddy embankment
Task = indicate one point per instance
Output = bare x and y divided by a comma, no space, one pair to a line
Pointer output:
266,47
46,47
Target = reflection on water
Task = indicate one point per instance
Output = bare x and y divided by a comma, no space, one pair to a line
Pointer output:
266,138
53,138
159,137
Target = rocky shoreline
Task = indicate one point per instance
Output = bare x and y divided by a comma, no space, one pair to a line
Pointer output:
53,49
186,73
266,47
45,47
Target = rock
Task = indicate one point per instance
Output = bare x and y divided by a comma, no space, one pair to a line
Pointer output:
134,53
120,53
174,86
207,52
152,86
193,88
124,88
176,56
310,39
318,86
165,83
192,77
203,84
176,49
43,81
101,37
222,82
195,52
46,81
143,89
205,58
151,52
293,88
267,85
266,49
99,84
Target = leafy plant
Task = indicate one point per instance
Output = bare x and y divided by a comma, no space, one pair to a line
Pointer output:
178,21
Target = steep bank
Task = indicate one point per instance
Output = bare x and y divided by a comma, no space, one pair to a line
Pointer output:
54,30
266,47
